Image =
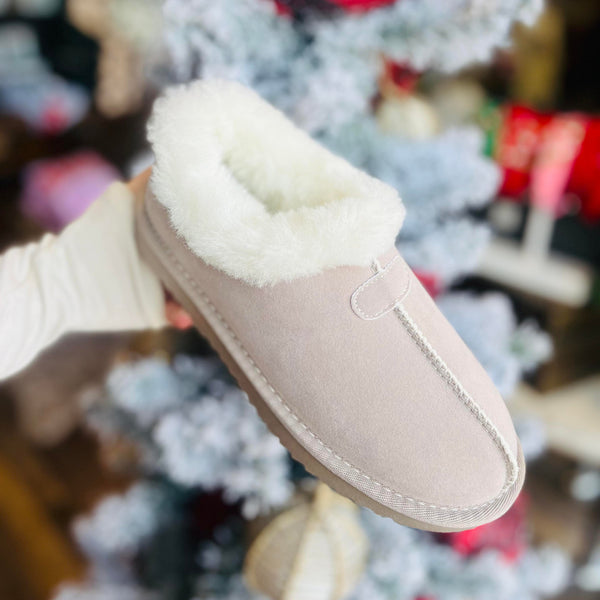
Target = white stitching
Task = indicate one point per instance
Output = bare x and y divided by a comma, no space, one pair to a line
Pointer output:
448,376
213,308
379,275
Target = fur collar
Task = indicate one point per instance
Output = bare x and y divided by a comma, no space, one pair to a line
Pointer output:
256,197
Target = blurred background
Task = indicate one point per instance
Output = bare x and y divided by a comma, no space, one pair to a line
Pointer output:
132,468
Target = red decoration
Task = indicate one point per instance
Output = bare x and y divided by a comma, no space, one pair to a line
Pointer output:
282,9
57,190
550,157
360,5
288,7
507,534
430,281
54,118
585,177
518,142
560,145
401,76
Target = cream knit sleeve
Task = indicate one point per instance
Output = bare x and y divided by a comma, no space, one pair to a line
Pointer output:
88,278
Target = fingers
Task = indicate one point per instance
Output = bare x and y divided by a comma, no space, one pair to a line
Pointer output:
138,184
177,316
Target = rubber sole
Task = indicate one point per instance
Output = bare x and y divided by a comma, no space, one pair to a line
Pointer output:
150,247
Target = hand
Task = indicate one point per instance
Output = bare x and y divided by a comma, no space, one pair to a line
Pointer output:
176,315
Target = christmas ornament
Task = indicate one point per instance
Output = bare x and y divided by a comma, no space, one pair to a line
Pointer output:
56,191
300,7
554,158
315,551
360,6
402,111
516,147
584,181
457,101
560,144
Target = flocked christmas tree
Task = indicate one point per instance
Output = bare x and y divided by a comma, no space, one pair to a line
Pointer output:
324,63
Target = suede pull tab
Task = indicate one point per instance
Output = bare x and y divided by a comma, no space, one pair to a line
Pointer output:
382,292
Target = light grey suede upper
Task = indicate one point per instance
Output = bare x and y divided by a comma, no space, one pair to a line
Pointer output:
360,382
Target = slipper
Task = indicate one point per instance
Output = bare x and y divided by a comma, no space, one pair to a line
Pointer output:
284,256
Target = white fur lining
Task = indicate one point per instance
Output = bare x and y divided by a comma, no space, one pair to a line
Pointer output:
255,196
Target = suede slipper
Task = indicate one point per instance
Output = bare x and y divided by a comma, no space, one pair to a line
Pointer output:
284,256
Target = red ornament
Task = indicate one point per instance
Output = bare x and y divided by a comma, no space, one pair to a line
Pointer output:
585,176
360,5
430,281
401,76
518,143
550,158
561,143
55,117
282,9
289,7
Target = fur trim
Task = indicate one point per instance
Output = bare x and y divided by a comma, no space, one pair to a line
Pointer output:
255,196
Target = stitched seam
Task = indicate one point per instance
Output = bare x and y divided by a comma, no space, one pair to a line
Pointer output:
387,264
381,273
448,376
206,300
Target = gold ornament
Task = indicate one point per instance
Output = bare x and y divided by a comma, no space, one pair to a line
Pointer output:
408,115
314,551
401,110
